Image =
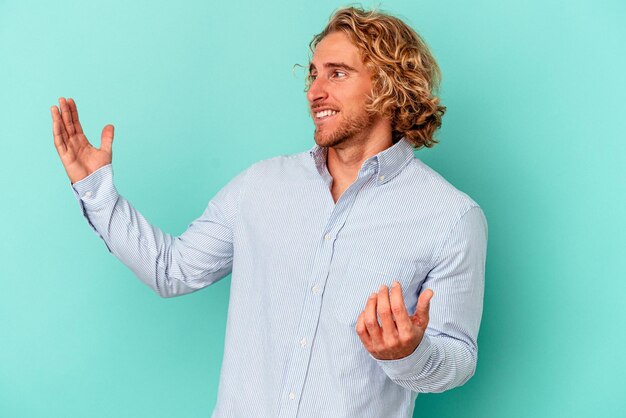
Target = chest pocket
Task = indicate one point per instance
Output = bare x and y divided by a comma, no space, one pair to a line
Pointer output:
364,276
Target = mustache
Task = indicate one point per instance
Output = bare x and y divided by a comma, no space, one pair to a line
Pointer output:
318,107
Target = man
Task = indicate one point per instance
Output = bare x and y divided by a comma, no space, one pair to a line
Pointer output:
335,253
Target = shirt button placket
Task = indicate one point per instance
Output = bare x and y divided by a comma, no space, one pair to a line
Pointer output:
297,374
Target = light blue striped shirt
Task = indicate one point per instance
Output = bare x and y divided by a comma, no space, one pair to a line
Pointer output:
302,269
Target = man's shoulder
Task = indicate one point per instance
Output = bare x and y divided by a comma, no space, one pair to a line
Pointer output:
283,164
442,195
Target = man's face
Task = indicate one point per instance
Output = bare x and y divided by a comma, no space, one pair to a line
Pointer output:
340,89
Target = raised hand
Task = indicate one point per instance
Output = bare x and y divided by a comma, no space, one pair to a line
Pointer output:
400,333
78,156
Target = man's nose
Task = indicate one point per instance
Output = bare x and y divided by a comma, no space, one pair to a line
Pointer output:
317,90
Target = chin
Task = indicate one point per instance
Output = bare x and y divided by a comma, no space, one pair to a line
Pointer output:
326,137
328,140
350,130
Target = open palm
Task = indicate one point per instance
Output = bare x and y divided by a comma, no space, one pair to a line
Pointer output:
78,156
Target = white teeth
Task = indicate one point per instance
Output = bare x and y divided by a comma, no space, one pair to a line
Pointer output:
325,113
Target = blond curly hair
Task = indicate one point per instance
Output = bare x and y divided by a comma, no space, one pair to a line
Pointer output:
405,75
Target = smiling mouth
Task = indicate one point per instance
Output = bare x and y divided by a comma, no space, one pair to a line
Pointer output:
324,115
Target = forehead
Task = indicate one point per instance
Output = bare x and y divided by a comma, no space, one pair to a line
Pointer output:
336,47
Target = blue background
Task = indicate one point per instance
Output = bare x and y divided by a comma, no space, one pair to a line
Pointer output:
198,91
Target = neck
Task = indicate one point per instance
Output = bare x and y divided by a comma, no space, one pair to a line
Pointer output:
345,159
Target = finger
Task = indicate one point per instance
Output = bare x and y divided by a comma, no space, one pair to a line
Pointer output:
423,307
66,116
74,113
361,330
371,321
398,308
389,331
58,131
106,139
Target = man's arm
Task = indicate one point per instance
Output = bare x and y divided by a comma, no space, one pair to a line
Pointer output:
170,265
435,349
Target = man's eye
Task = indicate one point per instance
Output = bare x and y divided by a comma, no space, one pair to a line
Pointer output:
336,74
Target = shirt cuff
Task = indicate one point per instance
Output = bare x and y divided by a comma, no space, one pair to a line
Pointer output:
97,189
410,365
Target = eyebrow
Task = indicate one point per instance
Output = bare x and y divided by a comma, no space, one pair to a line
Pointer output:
333,65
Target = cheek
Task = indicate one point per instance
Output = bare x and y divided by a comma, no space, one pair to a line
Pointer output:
363,95
357,104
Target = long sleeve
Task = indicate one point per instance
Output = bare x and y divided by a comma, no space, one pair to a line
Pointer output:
447,355
170,265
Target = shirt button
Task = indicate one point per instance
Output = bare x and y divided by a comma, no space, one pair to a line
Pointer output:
87,194
303,342
292,396
315,289
381,178
328,237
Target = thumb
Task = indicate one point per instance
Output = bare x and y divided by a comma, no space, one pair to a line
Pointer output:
423,306
106,139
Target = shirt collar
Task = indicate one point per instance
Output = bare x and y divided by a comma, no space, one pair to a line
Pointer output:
387,163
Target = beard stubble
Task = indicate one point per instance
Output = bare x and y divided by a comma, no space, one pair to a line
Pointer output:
351,129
